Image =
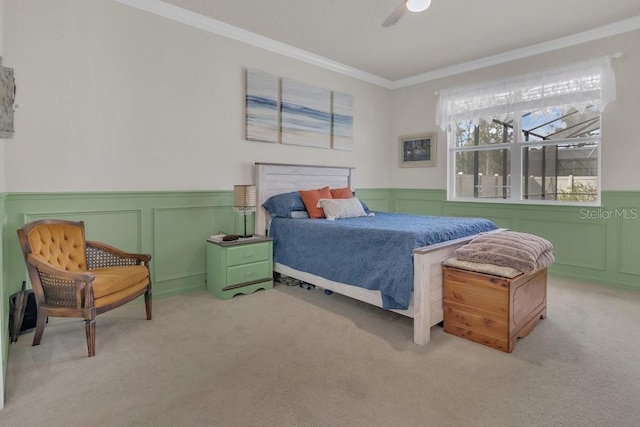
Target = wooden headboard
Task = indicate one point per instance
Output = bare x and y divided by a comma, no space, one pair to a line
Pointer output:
276,178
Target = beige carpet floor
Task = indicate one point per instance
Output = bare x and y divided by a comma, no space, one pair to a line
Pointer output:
295,357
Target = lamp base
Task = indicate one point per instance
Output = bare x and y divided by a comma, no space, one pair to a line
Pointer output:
245,235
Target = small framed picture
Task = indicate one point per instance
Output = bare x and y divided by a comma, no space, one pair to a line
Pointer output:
418,151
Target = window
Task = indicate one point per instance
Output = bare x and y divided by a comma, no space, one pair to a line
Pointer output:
532,138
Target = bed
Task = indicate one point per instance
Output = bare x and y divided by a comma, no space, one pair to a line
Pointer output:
424,296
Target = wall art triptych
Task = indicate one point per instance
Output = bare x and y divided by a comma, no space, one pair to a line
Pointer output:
296,113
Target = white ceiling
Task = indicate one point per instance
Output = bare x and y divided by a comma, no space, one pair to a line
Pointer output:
448,34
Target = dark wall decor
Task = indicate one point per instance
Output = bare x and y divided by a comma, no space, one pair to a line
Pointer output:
7,98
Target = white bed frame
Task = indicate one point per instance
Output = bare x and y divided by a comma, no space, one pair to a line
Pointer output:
426,302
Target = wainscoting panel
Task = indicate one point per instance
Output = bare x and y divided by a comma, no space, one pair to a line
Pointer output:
119,228
376,199
179,244
576,244
629,246
418,202
415,206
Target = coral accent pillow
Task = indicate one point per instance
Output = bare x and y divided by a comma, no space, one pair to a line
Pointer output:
341,193
310,199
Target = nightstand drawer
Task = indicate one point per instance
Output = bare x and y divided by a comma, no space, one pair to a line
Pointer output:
249,273
245,254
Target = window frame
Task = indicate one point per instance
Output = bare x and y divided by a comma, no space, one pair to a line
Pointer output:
589,84
516,148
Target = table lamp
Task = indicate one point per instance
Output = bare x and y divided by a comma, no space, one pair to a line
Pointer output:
244,201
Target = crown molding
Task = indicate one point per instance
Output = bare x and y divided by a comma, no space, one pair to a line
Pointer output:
211,25
629,24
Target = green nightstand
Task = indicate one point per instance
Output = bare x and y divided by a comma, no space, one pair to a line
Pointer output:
239,267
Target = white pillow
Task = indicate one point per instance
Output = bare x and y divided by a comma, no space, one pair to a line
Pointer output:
341,208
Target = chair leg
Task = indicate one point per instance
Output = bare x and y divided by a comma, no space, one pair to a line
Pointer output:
41,321
148,304
90,328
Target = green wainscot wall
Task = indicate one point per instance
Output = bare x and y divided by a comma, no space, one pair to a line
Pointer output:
591,244
4,307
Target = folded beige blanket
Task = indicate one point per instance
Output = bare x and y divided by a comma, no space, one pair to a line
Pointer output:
522,251
483,267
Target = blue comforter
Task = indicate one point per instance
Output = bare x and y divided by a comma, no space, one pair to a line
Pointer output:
370,252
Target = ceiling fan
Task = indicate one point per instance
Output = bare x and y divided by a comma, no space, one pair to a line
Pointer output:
410,5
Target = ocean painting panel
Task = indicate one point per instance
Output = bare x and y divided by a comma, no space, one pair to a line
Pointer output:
342,121
261,108
305,114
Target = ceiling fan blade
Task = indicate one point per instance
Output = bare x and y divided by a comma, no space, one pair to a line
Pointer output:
395,15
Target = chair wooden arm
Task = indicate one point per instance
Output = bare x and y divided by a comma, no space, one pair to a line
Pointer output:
60,288
101,255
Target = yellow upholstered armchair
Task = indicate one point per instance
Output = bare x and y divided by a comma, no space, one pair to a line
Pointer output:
72,277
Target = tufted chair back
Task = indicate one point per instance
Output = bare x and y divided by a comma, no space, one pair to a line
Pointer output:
61,245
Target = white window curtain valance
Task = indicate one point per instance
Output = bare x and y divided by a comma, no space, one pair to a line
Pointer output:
580,84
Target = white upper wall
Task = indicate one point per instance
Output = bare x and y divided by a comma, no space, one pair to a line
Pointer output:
112,98
414,109
117,99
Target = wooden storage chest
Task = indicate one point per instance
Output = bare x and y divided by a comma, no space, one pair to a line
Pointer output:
492,310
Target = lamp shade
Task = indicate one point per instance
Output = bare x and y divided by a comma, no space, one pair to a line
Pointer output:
244,198
418,5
